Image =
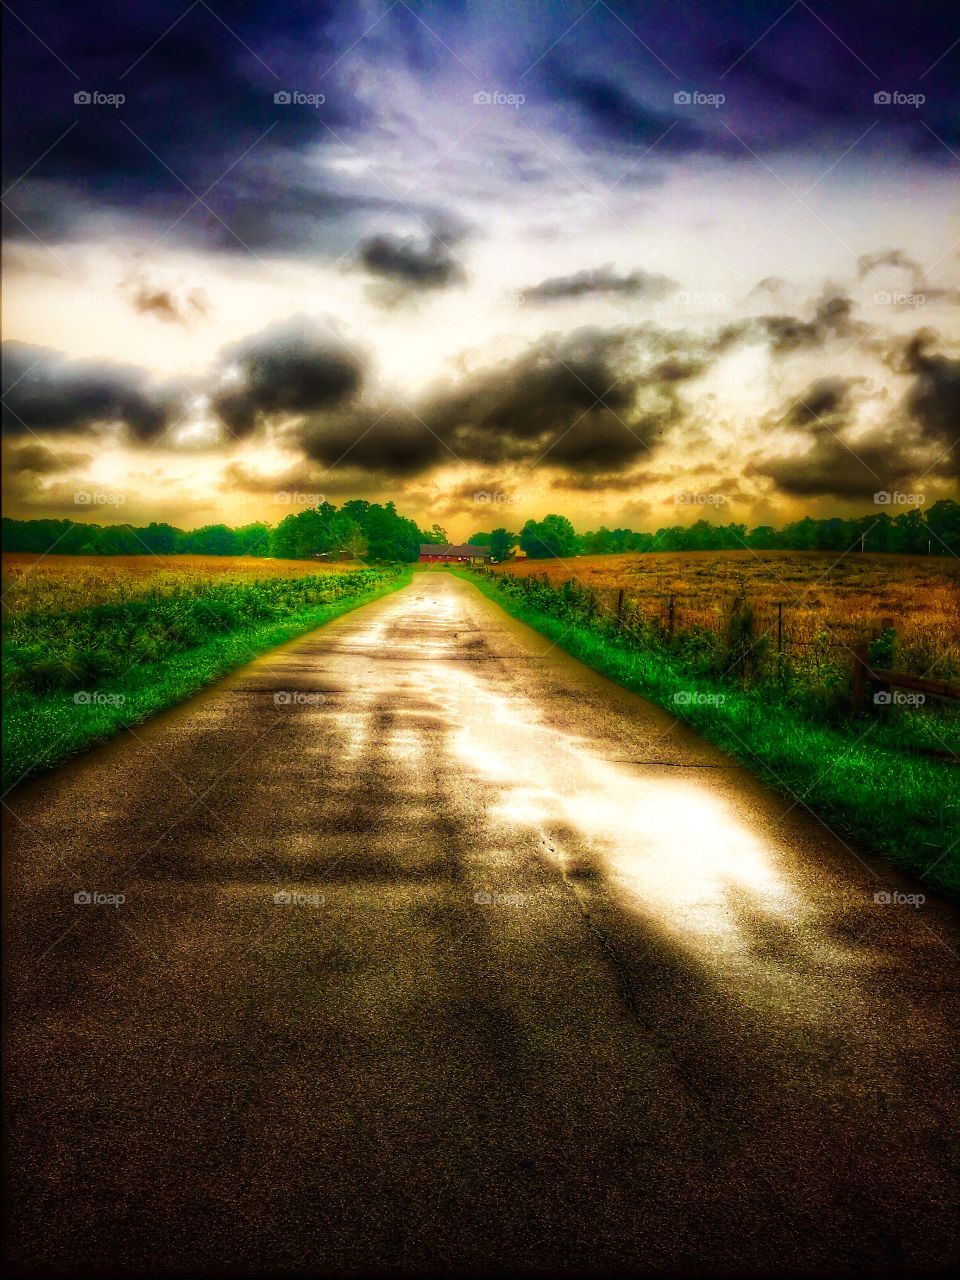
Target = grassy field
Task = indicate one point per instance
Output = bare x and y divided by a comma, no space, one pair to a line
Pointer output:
91,646
34,583
829,601
886,778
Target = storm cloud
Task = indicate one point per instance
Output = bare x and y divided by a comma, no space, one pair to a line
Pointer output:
281,85
294,367
409,262
46,391
172,305
589,400
933,400
600,280
838,467
831,319
826,453
827,398
38,460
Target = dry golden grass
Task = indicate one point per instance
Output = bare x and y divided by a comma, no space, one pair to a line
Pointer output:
829,601
34,583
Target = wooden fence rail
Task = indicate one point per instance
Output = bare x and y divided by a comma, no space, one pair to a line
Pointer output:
864,674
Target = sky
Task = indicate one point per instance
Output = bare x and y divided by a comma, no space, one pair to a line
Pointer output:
639,264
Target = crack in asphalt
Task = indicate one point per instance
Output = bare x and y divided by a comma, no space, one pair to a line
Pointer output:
613,956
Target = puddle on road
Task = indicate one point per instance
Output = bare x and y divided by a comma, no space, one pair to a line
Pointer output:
669,848
669,843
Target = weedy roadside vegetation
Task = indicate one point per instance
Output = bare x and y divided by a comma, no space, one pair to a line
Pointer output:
708,643
75,675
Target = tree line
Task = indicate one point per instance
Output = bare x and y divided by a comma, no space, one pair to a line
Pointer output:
359,529
914,532
371,531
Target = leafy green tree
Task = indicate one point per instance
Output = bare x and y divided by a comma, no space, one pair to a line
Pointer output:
282,538
118,540
943,522
253,539
552,536
353,539
763,538
911,532
161,539
211,540
501,540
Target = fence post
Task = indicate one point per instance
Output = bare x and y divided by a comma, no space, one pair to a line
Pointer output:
670,615
620,605
861,663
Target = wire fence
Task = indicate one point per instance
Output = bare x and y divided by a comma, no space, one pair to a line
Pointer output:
734,636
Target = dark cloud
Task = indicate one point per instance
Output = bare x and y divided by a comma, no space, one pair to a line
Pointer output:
46,391
575,402
172,305
896,258
837,467
832,319
302,479
791,82
933,400
200,93
200,119
827,398
600,280
676,368
197,92
592,399
292,368
839,460
411,263
38,460
613,113
384,441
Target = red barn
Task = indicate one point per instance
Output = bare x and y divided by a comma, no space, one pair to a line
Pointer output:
439,553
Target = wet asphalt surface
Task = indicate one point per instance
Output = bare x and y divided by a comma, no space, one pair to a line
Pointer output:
550,984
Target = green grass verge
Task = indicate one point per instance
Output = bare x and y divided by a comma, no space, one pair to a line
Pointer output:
42,729
903,806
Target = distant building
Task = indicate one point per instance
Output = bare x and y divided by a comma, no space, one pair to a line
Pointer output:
440,553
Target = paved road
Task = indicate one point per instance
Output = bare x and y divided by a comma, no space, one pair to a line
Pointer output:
557,986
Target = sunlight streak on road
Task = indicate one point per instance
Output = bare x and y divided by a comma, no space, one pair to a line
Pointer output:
670,848
674,847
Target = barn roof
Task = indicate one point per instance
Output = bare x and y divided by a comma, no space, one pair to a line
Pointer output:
448,549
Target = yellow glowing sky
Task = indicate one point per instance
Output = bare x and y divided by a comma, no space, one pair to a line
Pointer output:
692,228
